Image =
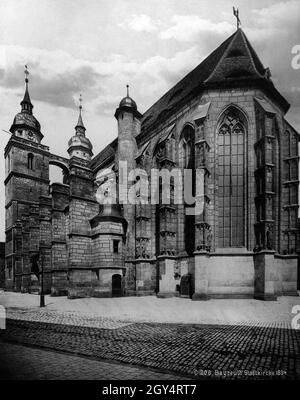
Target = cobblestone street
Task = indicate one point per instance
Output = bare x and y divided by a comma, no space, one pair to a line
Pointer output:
187,350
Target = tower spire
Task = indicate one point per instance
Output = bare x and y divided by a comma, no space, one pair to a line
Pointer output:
79,145
26,102
80,128
127,87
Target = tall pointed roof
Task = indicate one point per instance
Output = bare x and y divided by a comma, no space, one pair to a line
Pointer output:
80,122
25,118
80,128
232,64
26,98
26,102
238,61
79,145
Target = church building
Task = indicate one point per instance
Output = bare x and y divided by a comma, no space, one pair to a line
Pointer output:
225,119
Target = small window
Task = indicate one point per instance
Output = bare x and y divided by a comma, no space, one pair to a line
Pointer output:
116,246
30,161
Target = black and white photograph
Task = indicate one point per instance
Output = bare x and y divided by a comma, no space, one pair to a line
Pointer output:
149,193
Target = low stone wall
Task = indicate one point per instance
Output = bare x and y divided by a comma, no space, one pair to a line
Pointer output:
287,275
262,275
231,276
224,276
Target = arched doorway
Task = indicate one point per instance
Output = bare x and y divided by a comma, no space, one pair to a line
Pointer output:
116,285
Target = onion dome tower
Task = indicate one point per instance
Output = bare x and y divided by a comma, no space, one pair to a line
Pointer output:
27,202
127,102
79,145
25,125
129,126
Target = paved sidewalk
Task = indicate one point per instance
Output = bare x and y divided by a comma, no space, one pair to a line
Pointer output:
64,318
22,362
151,309
95,321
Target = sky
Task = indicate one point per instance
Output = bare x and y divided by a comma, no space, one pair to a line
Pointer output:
96,47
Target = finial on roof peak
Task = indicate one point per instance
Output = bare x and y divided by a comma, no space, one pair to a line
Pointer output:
26,102
80,128
127,101
236,14
26,72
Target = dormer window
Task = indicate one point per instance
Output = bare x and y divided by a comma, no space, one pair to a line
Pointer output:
30,161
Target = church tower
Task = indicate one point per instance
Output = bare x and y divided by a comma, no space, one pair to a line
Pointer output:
82,207
28,206
79,145
129,126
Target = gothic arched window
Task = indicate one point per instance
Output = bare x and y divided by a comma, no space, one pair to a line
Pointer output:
292,143
188,147
231,171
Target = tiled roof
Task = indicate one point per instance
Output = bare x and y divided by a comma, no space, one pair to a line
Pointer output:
105,156
265,105
185,86
140,151
233,62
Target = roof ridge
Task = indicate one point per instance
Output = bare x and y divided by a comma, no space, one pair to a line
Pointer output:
197,80
232,37
252,50
238,36
191,72
247,44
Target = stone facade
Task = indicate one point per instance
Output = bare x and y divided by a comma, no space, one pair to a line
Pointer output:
224,121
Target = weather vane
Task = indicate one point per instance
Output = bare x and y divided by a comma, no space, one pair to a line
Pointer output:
80,102
26,72
236,14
